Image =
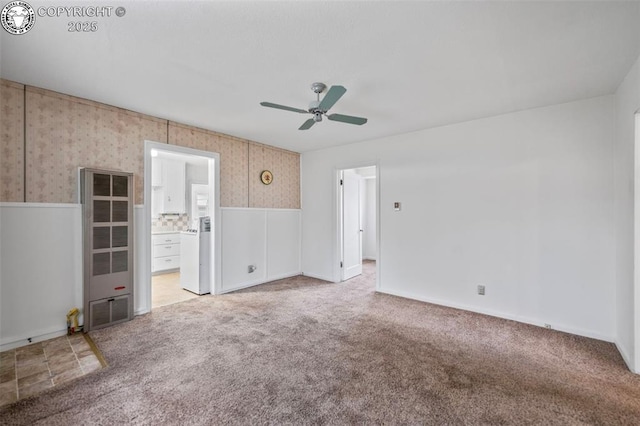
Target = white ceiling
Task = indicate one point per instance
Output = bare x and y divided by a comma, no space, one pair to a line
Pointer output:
406,65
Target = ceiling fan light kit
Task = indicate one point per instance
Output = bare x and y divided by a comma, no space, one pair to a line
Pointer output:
319,108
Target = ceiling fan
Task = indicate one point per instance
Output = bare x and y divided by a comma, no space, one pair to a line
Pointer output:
319,108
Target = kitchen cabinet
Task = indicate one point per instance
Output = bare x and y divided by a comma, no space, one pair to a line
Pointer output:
173,183
168,186
165,252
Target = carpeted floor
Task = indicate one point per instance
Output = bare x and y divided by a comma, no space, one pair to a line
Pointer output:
301,351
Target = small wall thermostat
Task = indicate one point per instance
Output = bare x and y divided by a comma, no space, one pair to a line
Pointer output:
396,206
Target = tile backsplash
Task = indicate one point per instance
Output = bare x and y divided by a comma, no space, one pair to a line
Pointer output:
173,222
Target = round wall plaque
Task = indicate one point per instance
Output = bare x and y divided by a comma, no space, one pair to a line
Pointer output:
266,177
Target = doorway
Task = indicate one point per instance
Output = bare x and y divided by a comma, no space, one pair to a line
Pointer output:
357,219
181,191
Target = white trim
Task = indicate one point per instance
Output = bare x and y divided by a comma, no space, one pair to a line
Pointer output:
249,284
142,311
260,208
44,335
283,276
243,285
42,205
634,365
625,357
317,277
518,318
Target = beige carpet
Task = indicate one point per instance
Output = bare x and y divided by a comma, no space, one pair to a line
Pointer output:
300,351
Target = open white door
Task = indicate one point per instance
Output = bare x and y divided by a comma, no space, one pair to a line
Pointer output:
351,229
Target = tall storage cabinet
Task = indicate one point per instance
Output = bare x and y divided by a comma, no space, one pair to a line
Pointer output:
107,216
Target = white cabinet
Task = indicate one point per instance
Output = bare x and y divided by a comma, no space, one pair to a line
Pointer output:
165,252
168,186
173,184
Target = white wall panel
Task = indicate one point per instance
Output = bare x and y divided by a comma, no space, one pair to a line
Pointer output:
40,270
244,239
266,238
283,243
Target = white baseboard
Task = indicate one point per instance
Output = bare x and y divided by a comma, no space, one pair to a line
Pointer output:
242,286
318,277
627,359
141,311
525,320
283,276
255,283
5,346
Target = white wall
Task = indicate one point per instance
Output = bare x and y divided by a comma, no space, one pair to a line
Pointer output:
627,100
521,203
369,223
269,239
40,270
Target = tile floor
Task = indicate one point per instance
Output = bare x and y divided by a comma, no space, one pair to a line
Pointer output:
166,290
30,369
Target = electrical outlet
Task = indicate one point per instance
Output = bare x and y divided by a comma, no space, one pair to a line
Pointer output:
481,290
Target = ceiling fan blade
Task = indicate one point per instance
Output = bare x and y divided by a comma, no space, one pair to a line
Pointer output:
286,108
347,119
307,124
331,97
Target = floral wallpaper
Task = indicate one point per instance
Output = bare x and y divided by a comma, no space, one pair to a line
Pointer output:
283,191
39,161
64,133
233,160
11,141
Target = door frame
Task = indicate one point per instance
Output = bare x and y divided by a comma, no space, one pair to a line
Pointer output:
337,218
214,194
636,247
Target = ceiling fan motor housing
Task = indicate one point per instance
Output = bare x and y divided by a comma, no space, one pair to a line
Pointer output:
314,108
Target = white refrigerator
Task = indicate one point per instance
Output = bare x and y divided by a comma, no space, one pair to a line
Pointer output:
195,258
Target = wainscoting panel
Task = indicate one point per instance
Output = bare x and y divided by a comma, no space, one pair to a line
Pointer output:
268,239
40,270
283,243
